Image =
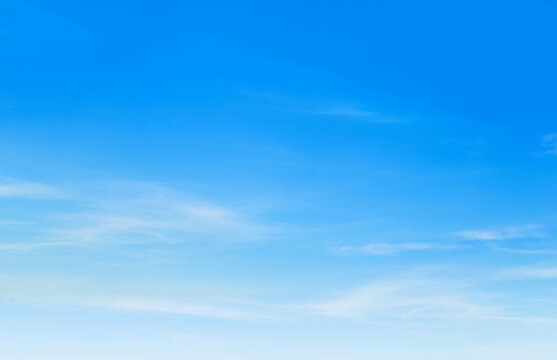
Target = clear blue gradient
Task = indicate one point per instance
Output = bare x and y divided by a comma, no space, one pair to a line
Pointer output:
278,180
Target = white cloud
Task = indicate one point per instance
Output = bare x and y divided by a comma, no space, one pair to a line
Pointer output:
349,111
549,141
404,299
13,222
140,304
380,301
392,249
531,272
397,301
28,190
526,251
75,291
22,246
169,307
165,221
137,213
340,109
530,230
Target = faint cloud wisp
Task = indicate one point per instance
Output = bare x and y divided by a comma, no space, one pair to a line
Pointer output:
549,141
391,249
28,190
524,231
145,214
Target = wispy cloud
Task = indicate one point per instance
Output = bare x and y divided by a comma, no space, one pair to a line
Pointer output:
392,249
393,300
230,311
549,141
169,307
163,221
22,246
516,232
12,222
405,299
29,190
346,110
77,292
531,272
396,301
525,251
321,107
350,111
135,214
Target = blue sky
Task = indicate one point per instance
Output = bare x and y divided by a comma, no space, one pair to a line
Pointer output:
278,180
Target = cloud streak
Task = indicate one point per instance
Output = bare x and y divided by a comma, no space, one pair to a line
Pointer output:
139,214
337,109
549,141
389,301
28,190
531,272
526,251
404,299
169,307
524,231
392,249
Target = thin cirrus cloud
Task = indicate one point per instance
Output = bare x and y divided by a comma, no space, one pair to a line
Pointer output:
549,142
526,251
13,222
405,299
169,307
350,111
22,246
327,108
516,232
28,190
419,299
531,272
69,292
136,214
388,301
392,249
162,220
